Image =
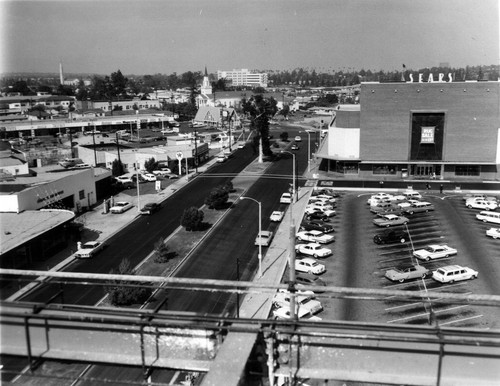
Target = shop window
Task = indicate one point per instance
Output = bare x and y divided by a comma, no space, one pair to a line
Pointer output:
384,169
467,170
81,194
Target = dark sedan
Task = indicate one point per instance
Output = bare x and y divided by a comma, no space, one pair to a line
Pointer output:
316,226
317,216
150,208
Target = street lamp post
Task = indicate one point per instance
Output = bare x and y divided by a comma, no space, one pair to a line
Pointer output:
260,230
137,173
294,186
291,285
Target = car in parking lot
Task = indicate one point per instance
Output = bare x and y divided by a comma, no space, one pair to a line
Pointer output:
150,208
286,198
120,207
385,207
322,198
434,251
148,177
309,265
264,238
452,273
316,215
407,203
405,272
316,226
493,232
162,173
276,216
303,300
419,207
313,249
412,194
469,196
379,197
391,236
315,237
388,220
89,249
305,279
481,204
125,179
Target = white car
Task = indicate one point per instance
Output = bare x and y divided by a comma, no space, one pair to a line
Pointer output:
221,158
434,251
120,207
315,237
264,238
313,249
493,232
89,249
407,203
148,177
452,273
298,139
124,179
481,204
283,313
375,198
162,173
309,265
286,198
282,299
276,216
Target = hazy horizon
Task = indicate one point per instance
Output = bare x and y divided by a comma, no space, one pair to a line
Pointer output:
161,36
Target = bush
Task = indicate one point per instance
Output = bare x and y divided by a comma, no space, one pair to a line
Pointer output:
124,293
284,136
228,186
192,218
217,198
161,252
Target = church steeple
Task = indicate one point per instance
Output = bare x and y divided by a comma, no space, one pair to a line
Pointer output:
206,87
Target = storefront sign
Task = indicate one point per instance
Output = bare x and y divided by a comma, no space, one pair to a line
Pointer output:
430,79
427,134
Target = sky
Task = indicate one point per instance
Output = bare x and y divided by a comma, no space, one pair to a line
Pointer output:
165,36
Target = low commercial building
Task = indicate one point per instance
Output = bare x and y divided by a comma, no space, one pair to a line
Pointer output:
244,77
433,129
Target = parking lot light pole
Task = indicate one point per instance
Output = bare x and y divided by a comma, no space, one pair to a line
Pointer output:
260,230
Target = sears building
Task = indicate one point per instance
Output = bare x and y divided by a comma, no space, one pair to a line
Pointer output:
429,128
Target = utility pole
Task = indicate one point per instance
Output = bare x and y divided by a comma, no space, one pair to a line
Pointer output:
196,150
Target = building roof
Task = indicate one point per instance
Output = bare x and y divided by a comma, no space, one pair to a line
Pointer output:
18,228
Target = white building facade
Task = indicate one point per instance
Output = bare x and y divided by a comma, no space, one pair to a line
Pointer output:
244,77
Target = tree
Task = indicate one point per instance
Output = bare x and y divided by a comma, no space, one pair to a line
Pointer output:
124,293
260,110
192,219
284,136
217,197
150,165
162,252
117,168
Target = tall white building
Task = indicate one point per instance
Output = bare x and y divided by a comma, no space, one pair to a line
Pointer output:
244,77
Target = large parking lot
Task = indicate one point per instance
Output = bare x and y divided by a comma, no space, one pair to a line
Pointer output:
359,262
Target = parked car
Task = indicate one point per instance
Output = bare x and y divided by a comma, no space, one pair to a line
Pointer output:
469,196
295,147
89,249
304,301
419,207
405,272
120,207
150,208
407,203
493,232
391,236
82,166
286,198
412,194
283,313
379,196
264,238
320,205
298,139
315,237
389,220
317,215
277,216
481,204
385,208
327,191
316,226
162,173
221,158
309,265
306,279
124,179
322,198
434,251
148,177
313,249
452,273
